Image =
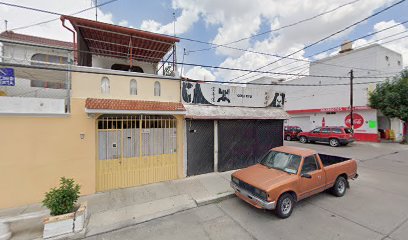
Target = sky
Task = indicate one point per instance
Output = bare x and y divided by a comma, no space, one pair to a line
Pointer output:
222,22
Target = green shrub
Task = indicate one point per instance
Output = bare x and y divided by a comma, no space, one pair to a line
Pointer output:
62,200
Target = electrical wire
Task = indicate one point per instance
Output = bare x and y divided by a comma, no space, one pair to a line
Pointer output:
329,36
335,47
192,80
277,29
54,13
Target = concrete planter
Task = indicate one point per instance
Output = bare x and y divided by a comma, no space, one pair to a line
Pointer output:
65,225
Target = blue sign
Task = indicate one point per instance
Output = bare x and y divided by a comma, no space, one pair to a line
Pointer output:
7,77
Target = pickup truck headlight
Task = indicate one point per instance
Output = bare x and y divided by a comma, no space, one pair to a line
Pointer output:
235,180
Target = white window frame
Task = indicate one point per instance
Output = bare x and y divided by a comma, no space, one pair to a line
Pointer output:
157,89
133,87
105,85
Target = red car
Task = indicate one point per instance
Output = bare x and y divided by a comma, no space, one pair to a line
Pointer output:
291,132
335,136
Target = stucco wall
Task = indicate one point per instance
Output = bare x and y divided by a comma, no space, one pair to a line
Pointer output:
37,151
86,85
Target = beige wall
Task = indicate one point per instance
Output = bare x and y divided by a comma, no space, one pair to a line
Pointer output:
88,85
36,151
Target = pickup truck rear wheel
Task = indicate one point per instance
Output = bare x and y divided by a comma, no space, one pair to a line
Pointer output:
303,139
340,187
285,205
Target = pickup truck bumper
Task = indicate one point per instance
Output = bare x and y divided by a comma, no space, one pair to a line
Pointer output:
251,199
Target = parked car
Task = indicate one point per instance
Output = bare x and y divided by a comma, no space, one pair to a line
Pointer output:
335,136
291,132
286,175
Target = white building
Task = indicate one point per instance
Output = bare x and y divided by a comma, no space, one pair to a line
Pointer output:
314,106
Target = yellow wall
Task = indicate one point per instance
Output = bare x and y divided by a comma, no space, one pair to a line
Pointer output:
36,151
88,85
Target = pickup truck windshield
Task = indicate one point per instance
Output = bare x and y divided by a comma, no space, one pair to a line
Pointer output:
282,161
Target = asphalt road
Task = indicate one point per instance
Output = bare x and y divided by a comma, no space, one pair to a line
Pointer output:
375,207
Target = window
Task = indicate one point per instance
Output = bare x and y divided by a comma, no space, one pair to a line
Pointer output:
156,88
105,85
387,58
45,84
399,63
42,59
325,130
348,130
282,161
310,164
336,130
133,87
316,130
127,68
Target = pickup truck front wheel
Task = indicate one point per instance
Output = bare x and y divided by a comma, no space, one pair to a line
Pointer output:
285,206
340,187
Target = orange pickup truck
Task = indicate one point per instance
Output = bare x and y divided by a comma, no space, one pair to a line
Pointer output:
286,175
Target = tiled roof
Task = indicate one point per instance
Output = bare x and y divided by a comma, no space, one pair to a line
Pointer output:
10,35
132,105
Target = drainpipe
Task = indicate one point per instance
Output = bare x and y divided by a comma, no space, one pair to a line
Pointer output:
74,40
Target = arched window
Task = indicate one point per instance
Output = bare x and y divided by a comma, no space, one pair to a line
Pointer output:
39,59
156,88
105,85
133,87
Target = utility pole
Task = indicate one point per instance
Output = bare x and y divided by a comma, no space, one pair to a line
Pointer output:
351,99
5,24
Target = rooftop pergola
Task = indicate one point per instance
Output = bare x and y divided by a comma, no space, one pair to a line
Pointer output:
97,38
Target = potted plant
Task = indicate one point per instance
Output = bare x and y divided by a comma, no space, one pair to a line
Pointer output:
67,217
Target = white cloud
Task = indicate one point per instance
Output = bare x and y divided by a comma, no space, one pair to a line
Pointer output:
199,73
236,19
53,29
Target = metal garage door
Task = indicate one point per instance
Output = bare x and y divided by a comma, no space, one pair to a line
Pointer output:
243,142
200,146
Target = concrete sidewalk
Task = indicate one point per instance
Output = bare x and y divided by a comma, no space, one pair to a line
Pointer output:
125,207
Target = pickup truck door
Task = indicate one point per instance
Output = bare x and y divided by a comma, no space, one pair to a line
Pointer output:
315,184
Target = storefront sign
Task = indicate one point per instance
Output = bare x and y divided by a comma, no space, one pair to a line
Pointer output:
358,120
7,77
227,95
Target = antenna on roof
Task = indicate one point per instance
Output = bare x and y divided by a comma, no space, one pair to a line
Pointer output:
174,23
95,4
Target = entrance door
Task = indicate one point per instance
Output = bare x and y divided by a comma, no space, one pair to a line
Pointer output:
135,150
200,146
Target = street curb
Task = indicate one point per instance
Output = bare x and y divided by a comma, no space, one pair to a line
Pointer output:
214,199
189,204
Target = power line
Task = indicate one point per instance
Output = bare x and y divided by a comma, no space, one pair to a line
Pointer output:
334,47
49,12
277,29
329,36
192,64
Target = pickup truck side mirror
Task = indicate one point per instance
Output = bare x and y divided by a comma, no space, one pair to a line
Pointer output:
306,175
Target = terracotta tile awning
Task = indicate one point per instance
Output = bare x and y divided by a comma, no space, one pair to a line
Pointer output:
94,105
